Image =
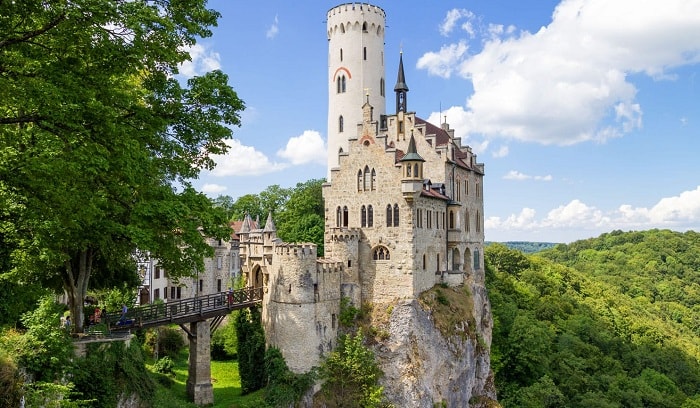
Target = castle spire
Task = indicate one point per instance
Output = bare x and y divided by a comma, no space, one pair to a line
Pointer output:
401,88
269,225
245,228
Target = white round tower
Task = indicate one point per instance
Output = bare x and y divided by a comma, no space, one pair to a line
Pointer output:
355,69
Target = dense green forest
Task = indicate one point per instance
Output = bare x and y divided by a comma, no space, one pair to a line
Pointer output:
611,321
527,246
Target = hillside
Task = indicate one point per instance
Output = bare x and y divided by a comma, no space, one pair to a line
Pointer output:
527,247
606,322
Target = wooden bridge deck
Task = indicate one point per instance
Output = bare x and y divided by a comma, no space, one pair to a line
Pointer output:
183,311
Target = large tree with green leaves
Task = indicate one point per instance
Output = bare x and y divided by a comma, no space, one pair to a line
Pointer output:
99,140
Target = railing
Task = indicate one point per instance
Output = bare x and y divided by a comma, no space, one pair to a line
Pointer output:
184,310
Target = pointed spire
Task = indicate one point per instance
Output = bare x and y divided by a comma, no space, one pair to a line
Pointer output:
412,153
401,88
245,228
269,225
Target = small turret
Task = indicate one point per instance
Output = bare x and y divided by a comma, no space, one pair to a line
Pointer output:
412,170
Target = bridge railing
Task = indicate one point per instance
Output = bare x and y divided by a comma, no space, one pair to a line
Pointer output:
190,309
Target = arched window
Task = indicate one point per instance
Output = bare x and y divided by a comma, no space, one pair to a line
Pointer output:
452,220
342,84
341,55
478,222
467,225
370,216
381,87
363,216
381,253
345,216
338,217
477,261
389,216
340,124
396,215
364,27
367,180
456,259
359,180
374,179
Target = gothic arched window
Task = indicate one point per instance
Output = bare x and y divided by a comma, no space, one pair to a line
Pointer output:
380,253
342,84
396,215
345,216
340,124
389,217
367,180
374,179
338,217
363,216
370,216
359,180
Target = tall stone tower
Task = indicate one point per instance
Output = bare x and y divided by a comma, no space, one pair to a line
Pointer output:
355,71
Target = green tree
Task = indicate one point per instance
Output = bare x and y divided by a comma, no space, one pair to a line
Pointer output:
98,139
303,217
351,375
251,350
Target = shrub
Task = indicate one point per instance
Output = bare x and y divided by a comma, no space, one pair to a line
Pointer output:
224,341
167,341
164,365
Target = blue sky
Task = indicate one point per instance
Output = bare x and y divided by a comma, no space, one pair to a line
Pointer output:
586,113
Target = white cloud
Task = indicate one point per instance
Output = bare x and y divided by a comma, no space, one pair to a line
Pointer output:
516,175
568,82
443,62
579,220
243,160
451,19
501,152
211,188
273,30
308,147
202,60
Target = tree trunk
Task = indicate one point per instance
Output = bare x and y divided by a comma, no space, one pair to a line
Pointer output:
75,283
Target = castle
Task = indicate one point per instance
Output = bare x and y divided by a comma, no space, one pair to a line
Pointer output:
403,204
403,212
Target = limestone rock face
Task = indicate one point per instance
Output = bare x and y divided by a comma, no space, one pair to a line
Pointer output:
423,368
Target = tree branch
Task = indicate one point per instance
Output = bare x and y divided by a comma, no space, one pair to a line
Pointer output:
31,34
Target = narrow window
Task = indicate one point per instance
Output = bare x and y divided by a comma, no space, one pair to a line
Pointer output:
172,292
438,263
374,179
337,85
359,180
381,87
179,292
363,216
156,294
157,273
340,124
370,216
338,216
201,286
478,222
341,55
342,84
467,226
345,216
452,220
219,262
415,171
389,217
349,263
477,262
423,261
364,27
396,215
333,321
364,53
367,180
408,170
218,285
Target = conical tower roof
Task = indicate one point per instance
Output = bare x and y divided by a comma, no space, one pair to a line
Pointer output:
269,225
411,153
401,79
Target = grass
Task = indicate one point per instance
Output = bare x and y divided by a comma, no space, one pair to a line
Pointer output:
225,379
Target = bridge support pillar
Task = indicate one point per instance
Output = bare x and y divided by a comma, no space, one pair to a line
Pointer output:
199,387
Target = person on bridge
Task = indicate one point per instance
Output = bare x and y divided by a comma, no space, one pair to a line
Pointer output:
122,318
230,296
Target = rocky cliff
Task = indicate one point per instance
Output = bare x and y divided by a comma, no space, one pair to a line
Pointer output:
434,351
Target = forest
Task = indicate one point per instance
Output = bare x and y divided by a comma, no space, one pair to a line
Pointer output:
611,321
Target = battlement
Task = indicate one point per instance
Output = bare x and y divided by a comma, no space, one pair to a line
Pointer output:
344,234
298,250
356,8
326,265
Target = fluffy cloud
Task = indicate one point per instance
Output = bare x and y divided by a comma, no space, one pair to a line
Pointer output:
308,147
501,152
567,82
451,19
273,30
581,220
202,60
210,188
243,160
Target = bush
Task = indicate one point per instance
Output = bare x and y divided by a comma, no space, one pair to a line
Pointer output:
10,382
224,341
164,365
168,341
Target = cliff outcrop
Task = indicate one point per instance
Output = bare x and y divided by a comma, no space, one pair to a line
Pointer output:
434,351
